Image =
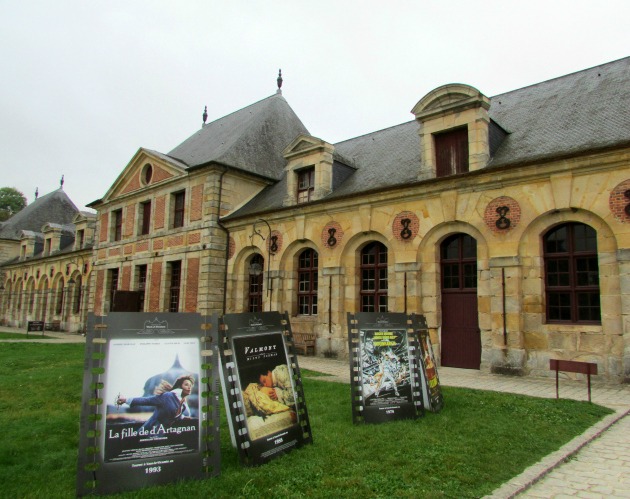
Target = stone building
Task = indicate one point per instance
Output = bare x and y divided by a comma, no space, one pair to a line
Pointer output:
503,220
46,261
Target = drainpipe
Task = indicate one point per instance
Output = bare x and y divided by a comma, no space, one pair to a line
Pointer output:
227,242
504,316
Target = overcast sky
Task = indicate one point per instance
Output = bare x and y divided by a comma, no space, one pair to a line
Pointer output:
85,83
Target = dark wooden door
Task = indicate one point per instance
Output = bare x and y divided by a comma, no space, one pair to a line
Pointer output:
461,341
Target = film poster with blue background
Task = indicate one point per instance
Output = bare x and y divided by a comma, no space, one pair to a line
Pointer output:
150,422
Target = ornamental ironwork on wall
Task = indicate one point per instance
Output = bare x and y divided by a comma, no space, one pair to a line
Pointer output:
502,214
332,234
406,226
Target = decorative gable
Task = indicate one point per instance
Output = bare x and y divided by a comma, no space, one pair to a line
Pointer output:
145,169
309,169
444,115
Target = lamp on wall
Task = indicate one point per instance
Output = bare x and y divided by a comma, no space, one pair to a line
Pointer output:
255,268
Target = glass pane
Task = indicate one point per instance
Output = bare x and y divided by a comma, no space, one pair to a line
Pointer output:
588,307
556,240
469,247
585,238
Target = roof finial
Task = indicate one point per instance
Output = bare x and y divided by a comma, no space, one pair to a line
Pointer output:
205,114
61,183
36,192
279,80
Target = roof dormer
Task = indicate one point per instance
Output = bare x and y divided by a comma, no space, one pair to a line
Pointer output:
309,169
453,131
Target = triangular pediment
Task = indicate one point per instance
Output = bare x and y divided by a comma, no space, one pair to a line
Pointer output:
304,144
146,168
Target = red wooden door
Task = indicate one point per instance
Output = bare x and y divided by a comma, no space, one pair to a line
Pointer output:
461,341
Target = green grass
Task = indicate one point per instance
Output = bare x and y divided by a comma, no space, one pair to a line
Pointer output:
22,336
479,441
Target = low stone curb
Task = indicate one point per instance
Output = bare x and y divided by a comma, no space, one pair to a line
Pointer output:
538,471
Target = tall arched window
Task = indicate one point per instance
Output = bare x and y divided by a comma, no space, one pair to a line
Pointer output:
255,285
374,278
307,282
572,274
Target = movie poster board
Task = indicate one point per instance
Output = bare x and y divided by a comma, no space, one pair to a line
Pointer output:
384,367
263,385
150,409
431,388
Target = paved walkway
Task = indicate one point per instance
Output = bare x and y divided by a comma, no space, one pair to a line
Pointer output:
595,464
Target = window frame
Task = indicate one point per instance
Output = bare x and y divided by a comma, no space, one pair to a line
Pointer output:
175,285
566,265
145,218
307,275
305,192
255,284
179,209
377,292
452,155
117,223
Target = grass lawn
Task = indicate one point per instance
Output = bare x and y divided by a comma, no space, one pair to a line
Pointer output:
4,335
479,441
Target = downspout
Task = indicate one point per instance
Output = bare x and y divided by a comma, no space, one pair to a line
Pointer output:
504,313
227,242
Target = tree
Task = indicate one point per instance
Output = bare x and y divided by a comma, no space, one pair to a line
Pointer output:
11,201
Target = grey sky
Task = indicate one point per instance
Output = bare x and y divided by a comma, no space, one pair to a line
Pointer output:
85,84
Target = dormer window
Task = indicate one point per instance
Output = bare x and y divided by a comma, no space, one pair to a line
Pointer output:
451,152
48,246
306,185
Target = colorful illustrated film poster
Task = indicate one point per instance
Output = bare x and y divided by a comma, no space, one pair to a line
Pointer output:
432,392
386,385
264,378
150,429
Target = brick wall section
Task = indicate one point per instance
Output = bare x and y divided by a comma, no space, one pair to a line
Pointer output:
104,229
175,241
196,202
159,174
128,249
194,238
617,201
98,292
159,214
192,285
130,218
115,251
409,228
158,244
142,246
133,185
154,289
513,215
126,279
338,235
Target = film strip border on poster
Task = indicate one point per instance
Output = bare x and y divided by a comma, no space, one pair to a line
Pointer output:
252,451
412,408
97,476
431,388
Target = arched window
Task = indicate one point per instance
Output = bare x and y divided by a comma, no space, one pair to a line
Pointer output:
255,286
374,278
572,274
459,263
307,282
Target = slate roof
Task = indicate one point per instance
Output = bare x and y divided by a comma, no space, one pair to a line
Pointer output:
572,114
251,139
575,113
54,207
